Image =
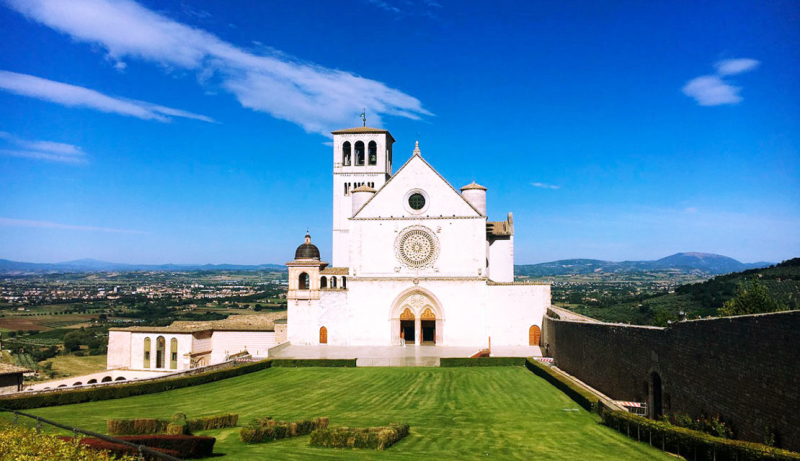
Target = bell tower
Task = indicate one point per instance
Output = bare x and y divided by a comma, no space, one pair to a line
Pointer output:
362,156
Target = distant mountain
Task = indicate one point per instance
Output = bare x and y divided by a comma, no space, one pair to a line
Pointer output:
706,263
93,265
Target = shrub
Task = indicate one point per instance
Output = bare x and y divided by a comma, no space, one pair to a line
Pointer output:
267,429
68,397
118,449
482,362
580,395
139,426
178,425
680,440
187,446
17,442
323,363
377,438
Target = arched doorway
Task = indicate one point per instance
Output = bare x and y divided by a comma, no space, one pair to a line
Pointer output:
417,317
534,336
323,335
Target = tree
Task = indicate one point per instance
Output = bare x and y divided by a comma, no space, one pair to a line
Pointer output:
72,341
751,299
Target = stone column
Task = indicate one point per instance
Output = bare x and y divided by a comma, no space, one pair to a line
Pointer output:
417,332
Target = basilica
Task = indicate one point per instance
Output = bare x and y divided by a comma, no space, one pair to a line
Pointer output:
415,261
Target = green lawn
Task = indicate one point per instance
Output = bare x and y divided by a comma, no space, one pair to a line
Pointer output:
454,413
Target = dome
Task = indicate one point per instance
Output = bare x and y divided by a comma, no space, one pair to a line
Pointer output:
307,250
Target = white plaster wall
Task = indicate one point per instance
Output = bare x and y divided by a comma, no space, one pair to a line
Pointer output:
119,349
514,309
231,342
137,350
501,260
330,311
128,375
281,333
201,342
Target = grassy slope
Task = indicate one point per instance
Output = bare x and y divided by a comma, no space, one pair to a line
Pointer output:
467,413
70,365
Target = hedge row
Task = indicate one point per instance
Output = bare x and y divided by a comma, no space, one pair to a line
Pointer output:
323,363
178,425
378,438
580,395
268,430
69,397
448,362
120,450
691,444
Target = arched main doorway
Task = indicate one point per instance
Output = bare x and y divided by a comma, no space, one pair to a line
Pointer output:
417,318
534,336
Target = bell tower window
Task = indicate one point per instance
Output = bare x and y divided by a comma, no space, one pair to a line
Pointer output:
373,153
346,153
360,153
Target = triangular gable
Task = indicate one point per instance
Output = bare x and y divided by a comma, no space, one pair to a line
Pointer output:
416,173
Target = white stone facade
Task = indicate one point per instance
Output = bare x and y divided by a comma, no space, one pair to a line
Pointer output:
418,262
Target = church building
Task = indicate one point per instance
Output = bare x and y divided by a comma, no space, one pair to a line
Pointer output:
415,261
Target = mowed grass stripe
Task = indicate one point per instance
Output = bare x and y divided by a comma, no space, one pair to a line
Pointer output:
464,413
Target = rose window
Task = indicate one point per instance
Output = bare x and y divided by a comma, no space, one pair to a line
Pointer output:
416,247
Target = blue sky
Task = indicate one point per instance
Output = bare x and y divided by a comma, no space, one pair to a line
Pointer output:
155,132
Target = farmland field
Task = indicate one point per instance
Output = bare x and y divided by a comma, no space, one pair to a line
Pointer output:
71,365
454,413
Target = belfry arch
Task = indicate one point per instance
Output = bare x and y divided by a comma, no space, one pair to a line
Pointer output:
421,308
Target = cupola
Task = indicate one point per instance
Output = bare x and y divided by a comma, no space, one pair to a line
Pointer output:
307,250
475,194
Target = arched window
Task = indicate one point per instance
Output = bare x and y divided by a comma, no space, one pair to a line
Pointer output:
146,353
161,344
303,282
534,335
359,153
78,384
173,354
91,381
344,282
107,379
373,153
323,282
120,378
346,153
323,335
333,282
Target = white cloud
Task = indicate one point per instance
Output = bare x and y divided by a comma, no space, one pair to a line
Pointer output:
710,90
545,186
43,150
317,98
735,66
10,222
78,96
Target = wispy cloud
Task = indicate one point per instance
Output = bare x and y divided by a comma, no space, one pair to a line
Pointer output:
712,90
10,222
43,150
385,5
542,185
78,96
312,96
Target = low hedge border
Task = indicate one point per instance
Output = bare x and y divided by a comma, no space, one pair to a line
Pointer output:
267,430
580,395
450,362
377,438
322,363
24,402
118,450
188,446
178,425
691,444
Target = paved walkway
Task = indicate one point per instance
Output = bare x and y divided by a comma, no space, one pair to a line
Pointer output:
398,356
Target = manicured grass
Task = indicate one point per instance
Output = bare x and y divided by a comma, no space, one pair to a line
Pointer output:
454,413
71,365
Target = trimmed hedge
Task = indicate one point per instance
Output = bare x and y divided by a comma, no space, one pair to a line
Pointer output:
377,438
24,402
178,425
187,446
322,363
268,430
580,395
118,449
449,362
694,445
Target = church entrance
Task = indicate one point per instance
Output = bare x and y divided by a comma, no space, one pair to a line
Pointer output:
407,331
417,319
428,332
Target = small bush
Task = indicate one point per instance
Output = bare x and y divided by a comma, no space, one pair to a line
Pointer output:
377,438
212,422
18,443
482,362
267,429
702,446
140,426
322,363
187,446
120,450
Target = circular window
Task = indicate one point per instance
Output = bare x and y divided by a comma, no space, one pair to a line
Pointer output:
416,247
416,201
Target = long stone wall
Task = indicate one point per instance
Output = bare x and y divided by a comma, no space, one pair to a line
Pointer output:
746,369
